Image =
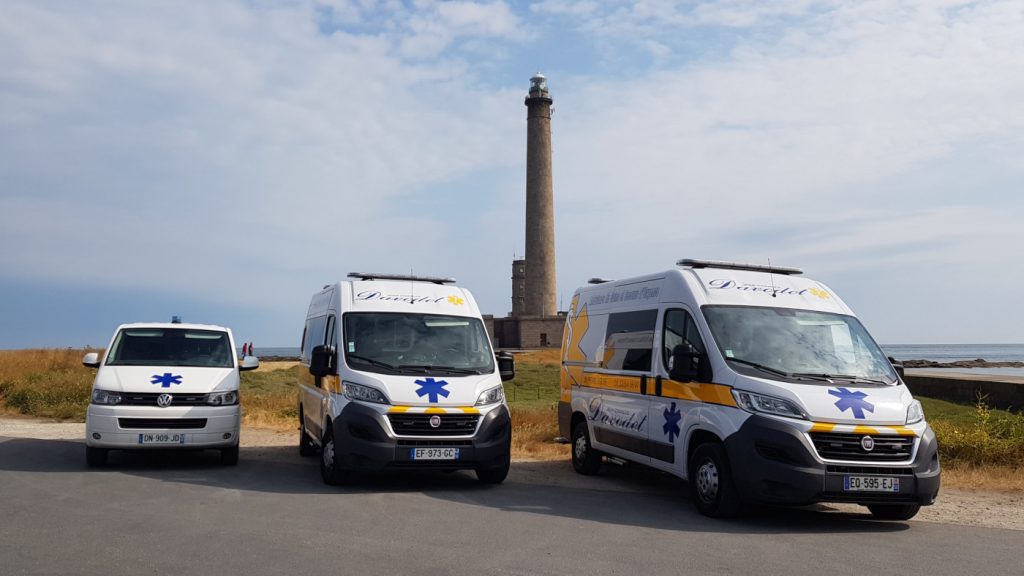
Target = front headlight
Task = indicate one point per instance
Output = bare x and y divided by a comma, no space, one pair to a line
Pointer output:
491,396
752,402
106,397
222,398
363,393
915,412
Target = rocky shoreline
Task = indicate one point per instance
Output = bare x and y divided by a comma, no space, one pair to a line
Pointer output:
976,363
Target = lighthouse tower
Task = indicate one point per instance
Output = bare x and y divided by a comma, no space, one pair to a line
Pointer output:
540,289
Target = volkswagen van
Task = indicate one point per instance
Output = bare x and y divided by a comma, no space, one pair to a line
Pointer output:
400,374
753,383
165,386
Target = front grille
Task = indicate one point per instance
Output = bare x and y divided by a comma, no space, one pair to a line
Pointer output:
833,446
876,470
149,399
434,443
162,423
419,424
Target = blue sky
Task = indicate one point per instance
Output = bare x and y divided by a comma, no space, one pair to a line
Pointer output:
223,160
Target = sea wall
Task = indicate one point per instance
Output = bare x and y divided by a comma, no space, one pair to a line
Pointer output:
1002,392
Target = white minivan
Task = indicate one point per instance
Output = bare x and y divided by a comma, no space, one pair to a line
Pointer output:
165,386
754,383
401,375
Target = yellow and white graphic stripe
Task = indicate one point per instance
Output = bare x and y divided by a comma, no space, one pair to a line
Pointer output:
433,410
861,429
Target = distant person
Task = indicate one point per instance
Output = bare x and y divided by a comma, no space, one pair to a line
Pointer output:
251,353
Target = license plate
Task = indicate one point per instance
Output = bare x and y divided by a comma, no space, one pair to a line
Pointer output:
871,484
434,454
161,438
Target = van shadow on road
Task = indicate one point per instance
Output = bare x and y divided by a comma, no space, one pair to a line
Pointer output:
622,495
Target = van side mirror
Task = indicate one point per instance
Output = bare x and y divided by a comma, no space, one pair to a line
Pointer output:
897,365
92,360
688,366
506,366
249,363
322,361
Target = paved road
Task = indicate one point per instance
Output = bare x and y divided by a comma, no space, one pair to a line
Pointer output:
181,513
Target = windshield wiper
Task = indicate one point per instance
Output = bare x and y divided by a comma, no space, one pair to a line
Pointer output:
371,361
432,367
849,377
768,369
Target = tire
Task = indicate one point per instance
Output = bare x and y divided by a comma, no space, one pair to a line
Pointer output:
331,472
494,475
585,459
229,456
95,457
306,446
711,485
894,511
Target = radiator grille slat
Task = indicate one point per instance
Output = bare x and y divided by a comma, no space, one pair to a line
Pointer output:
149,399
833,446
419,424
162,423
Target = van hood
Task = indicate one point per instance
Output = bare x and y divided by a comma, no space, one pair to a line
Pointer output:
171,379
433,390
839,402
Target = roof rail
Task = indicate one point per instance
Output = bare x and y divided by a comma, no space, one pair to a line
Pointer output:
738,266
410,277
599,280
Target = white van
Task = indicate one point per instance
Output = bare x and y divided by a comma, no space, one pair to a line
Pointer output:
401,375
753,383
165,385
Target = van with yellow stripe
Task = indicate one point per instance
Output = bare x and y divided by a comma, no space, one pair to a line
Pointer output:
752,382
400,374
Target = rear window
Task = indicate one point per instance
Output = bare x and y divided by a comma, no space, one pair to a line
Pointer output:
171,347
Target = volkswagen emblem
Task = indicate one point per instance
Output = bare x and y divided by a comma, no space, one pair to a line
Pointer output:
435,421
867,443
164,400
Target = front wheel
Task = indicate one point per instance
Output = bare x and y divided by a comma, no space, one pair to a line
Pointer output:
494,475
894,511
330,468
95,457
585,459
229,456
711,484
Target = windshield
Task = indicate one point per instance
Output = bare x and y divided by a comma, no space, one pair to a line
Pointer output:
416,343
171,347
797,343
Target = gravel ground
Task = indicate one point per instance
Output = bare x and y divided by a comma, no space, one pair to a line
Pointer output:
954,506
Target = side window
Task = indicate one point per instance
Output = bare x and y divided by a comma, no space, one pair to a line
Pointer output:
629,341
313,336
680,330
302,347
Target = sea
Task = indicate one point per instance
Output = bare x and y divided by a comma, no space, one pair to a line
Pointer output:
934,352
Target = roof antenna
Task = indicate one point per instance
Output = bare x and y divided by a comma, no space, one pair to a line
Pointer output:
771,277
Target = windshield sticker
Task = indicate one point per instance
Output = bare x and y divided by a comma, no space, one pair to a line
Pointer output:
853,401
671,426
431,389
351,346
727,284
165,380
456,301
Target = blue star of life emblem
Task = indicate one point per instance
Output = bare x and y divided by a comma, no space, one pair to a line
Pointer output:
671,426
431,389
853,401
165,380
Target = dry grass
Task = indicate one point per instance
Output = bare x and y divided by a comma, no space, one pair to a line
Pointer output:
51,383
533,435
988,477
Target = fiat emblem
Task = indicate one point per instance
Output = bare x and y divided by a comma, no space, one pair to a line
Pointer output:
435,421
164,400
867,443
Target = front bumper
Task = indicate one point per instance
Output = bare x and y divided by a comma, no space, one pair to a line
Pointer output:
361,442
774,462
121,427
